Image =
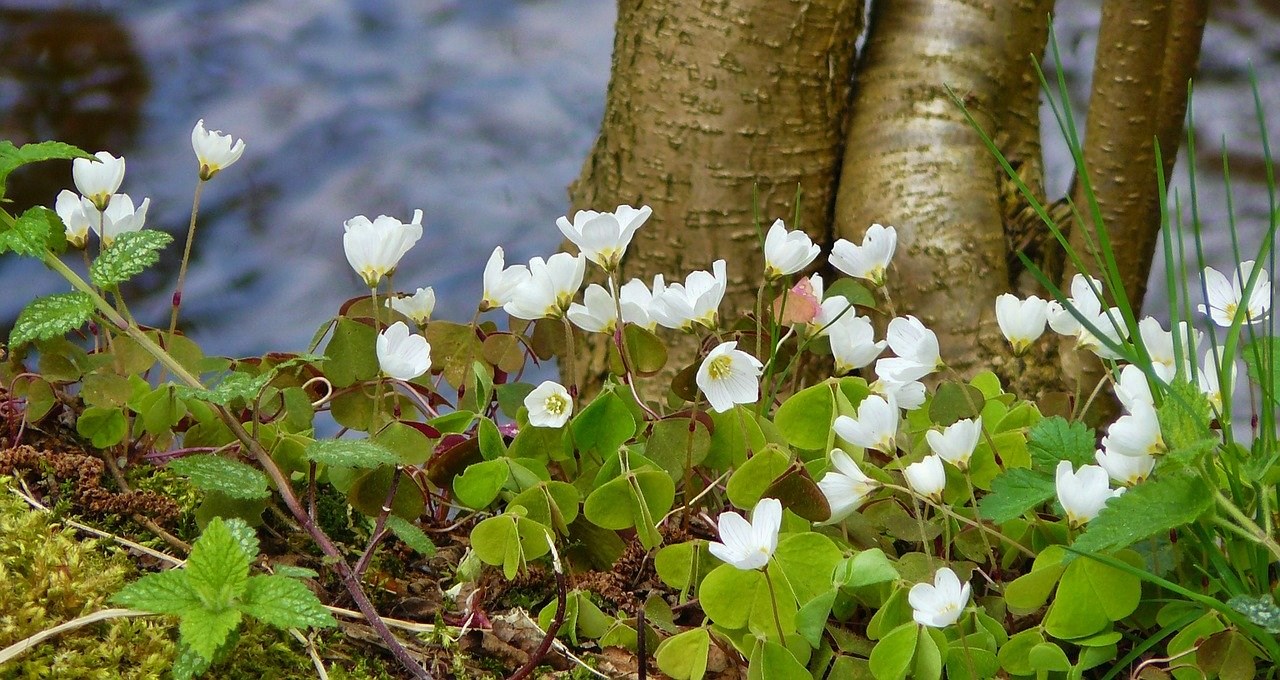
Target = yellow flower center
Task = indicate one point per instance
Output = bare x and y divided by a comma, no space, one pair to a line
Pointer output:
720,367
556,404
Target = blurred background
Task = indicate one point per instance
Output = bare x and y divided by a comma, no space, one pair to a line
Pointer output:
479,112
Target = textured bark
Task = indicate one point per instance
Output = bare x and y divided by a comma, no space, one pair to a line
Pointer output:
1147,50
912,160
706,100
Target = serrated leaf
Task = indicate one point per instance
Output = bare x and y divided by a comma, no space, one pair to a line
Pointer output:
1055,439
13,157
51,316
244,534
292,571
1152,507
1015,492
205,630
166,592
130,254
208,472
35,231
1260,609
218,566
188,664
411,535
235,385
1184,424
353,453
284,603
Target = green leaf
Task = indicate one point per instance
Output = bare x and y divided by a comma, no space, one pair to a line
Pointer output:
1015,492
684,656
351,355
206,630
1013,655
1184,424
1048,657
1260,609
604,425
51,316
804,419
161,409
1055,439
1154,506
678,443
188,664
892,656
1256,354
218,566
635,499
1091,595
234,386
748,483
166,592
647,352
284,603
13,157
130,254
851,290
352,453
411,535
772,661
209,472
509,540
1030,591
955,401
456,347
35,231
480,483
729,594
811,619
868,567
104,427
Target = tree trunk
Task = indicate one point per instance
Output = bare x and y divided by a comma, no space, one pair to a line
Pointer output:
706,101
912,160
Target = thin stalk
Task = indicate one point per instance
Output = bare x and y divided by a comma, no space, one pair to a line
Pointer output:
379,527
186,258
773,601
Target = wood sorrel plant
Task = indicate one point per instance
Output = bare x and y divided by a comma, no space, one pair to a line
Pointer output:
904,523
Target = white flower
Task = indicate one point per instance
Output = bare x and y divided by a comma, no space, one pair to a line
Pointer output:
876,425
916,348
549,404
374,248
928,477
845,487
786,252
636,298
1208,378
1112,327
939,605
77,215
214,150
695,302
1021,321
500,285
603,237
1135,434
956,443
729,376
598,315
402,355
853,342
1159,344
1224,298
749,545
119,218
869,260
1127,470
1083,493
550,288
417,307
907,395
98,180
1084,298
1132,388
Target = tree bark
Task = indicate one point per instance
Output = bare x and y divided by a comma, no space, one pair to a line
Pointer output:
706,101
912,160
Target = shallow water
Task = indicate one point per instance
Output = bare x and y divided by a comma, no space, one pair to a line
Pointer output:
479,112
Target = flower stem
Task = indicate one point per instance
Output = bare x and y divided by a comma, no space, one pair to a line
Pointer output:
773,600
186,258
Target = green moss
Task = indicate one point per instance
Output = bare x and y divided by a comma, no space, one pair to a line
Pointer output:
49,576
